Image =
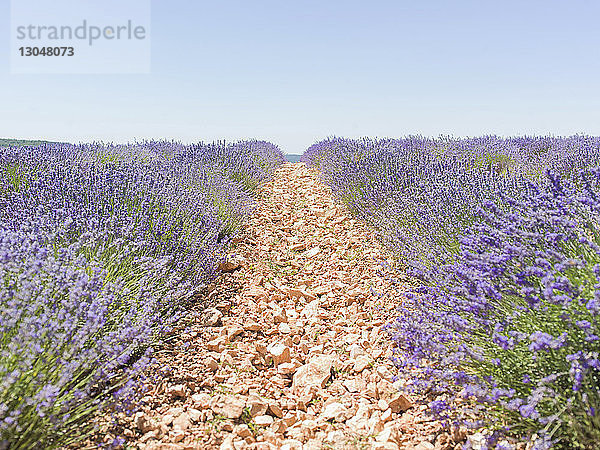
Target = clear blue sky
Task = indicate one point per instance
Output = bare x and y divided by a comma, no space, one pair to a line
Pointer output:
294,72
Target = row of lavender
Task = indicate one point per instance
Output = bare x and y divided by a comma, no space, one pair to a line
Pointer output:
504,236
100,246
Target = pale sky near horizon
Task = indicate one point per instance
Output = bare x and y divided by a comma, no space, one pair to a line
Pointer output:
296,72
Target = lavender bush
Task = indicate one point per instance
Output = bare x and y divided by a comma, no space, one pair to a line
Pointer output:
420,193
514,323
63,352
99,244
506,324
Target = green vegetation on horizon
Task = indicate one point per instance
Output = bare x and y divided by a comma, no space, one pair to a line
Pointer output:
5,142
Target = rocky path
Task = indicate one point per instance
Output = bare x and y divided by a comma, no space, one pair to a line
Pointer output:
291,355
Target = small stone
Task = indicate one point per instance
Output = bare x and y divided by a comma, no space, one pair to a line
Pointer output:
337,438
182,422
233,408
384,373
375,424
316,349
221,377
261,349
372,391
424,445
352,385
386,415
336,411
255,291
194,414
361,363
378,353
175,411
164,446
443,441
242,431
176,391
142,422
290,419
301,293
211,317
286,368
360,419
211,364
382,405
275,410
223,306
216,345
400,403
201,400
386,389
292,292
310,425
177,435
311,309
227,444
459,434
385,435
280,353
355,351
279,316
234,331
256,405
149,435
252,326
279,427
315,373
284,328
263,420
232,263
476,440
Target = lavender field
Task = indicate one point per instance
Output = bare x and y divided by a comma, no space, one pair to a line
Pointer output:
103,247
100,248
501,237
